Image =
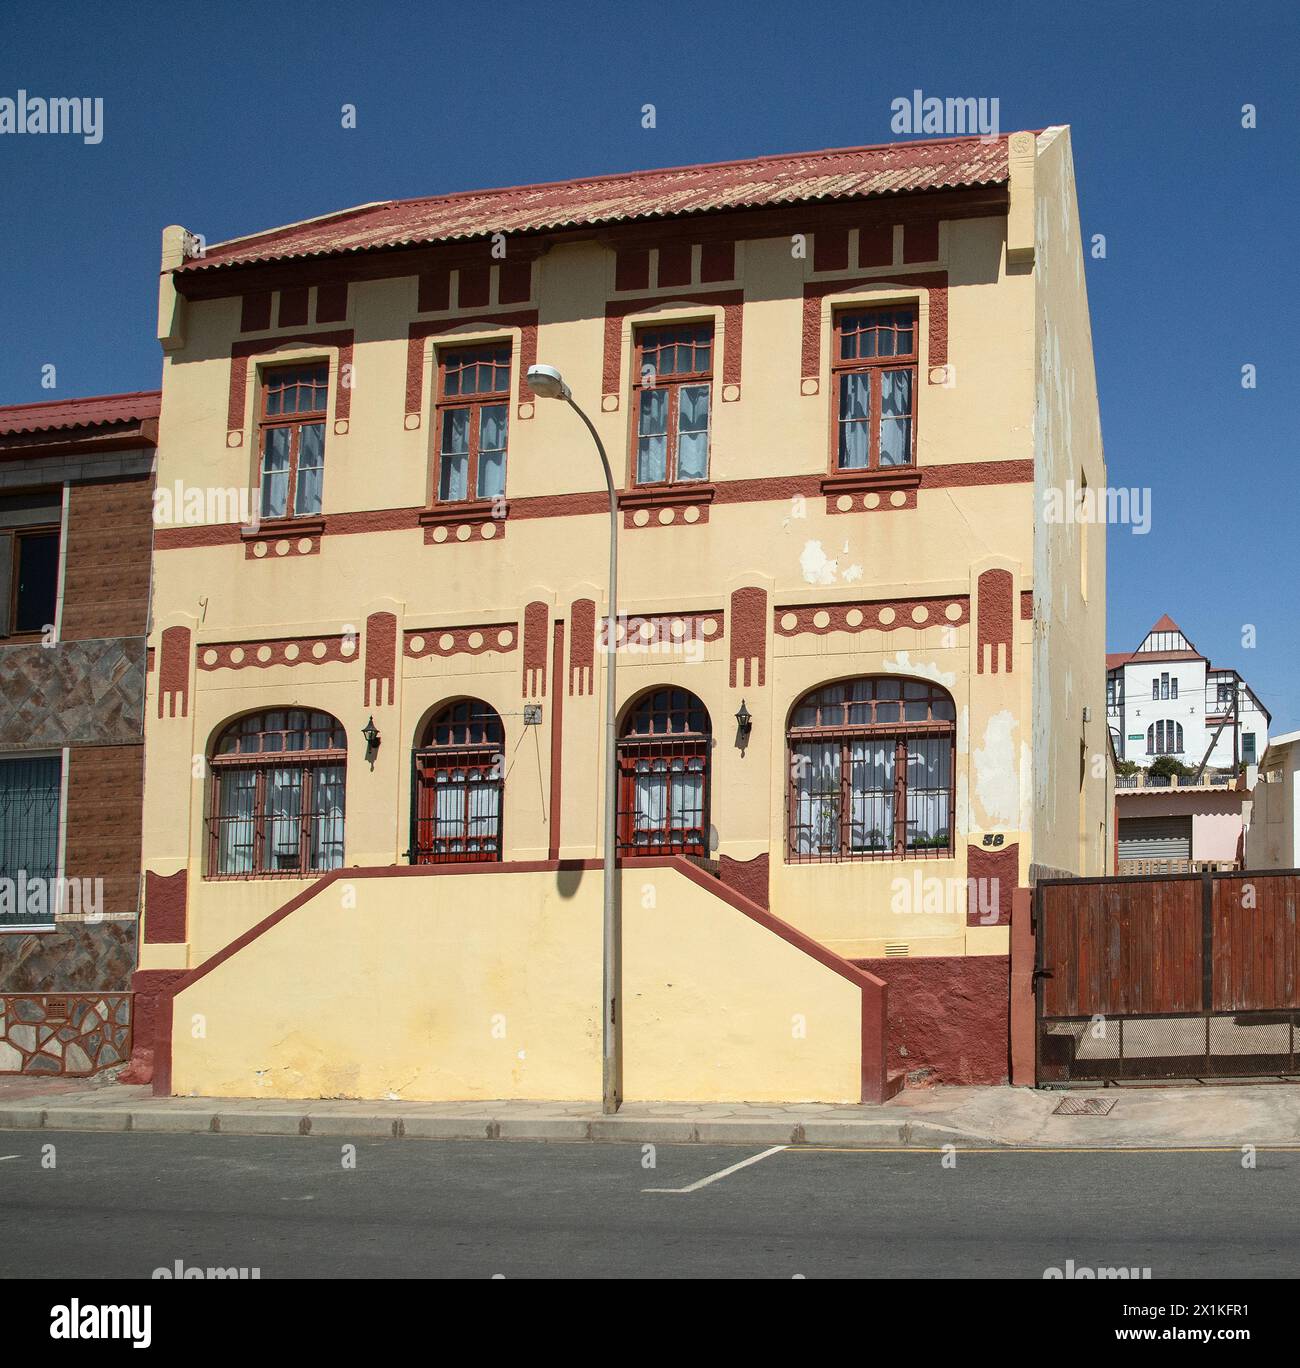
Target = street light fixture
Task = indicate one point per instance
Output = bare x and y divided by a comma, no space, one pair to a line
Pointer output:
547,383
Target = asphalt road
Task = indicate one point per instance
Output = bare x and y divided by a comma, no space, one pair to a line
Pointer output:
125,1204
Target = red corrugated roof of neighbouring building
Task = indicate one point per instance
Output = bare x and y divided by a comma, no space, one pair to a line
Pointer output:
844,173
99,410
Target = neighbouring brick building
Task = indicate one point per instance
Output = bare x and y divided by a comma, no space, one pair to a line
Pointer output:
76,526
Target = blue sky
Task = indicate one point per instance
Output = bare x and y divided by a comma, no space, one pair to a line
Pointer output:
226,119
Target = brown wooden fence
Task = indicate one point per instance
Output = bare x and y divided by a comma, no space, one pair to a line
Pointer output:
1193,975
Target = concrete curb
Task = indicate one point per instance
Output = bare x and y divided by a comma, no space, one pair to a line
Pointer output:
866,1134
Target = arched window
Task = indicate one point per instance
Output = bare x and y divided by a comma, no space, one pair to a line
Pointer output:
1165,738
663,791
278,782
459,780
871,771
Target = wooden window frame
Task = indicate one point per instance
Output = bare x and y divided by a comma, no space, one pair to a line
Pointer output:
872,366
480,399
16,536
294,421
844,734
485,751
692,745
673,384
260,762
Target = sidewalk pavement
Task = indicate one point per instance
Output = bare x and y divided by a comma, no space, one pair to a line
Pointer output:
1141,1117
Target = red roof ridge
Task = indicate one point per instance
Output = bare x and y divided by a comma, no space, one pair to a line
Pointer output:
92,410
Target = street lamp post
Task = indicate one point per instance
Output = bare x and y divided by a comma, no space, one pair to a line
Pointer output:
548,383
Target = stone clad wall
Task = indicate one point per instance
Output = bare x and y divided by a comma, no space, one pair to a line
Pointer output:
70,1034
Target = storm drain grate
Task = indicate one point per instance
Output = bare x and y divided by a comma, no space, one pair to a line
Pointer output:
1084,1106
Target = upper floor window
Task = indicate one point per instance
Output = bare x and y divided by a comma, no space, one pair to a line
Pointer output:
1165,738
871,771
1164,687
278,789
473,408
29,561
294,402
874,372
674,377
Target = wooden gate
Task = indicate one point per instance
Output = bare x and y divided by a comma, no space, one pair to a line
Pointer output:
1191,976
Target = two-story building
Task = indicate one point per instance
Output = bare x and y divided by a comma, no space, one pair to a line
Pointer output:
76,480
858,672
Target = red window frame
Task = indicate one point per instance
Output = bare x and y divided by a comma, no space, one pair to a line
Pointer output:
658,359
667,731
256,744
309,384
464,743
455,365
839,719
859,330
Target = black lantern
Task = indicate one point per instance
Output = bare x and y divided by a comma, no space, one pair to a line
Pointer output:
371,733
743,719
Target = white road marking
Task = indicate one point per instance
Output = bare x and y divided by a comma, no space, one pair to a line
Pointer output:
722,1173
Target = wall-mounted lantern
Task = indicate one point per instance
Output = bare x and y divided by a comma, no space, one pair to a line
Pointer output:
371,733
744,720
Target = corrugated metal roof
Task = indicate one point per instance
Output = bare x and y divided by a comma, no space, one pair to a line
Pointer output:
835,174
99,410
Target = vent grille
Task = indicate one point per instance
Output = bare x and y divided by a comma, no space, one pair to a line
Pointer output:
894,948
1084,1106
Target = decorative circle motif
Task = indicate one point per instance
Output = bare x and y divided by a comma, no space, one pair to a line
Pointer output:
234,439
677,627
666,515
526,411
236,655
304,546
440,534
886,615
446,641
709,627
789,621
920,614
844,502
952,612
475,640
488,531
646,631
263,653
730,393
209,657
871,501
821,618
692,514
620,631
641,517
898,498
292,651
808,387
416,645
412,421
282,548
259,549
505,638
318,649
854,617
348,645
463,532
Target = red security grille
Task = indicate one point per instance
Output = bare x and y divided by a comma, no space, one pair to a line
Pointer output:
663,762
459,786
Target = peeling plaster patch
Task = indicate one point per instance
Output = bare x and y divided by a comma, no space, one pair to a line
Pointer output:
1026,787
963,804
816,567
903,665
853,574
997,778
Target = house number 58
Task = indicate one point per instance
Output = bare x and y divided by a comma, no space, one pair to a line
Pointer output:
994,838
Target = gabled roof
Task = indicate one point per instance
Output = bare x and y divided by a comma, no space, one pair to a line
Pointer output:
59,415
1114,659
845,173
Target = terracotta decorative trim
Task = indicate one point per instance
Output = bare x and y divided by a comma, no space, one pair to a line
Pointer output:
814,292
880,615
261,655
477,520
165,899
748,638
536,617
445,329
1027,608
557,746
770,489
871,490
638,632
174,673
274,541
985,865
666,505
582,647
617,312
381,661
995,589
499,638
241,352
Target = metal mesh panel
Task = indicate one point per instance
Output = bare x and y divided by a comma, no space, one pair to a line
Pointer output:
29,828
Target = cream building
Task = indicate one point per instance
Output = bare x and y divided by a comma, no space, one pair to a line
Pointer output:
836,388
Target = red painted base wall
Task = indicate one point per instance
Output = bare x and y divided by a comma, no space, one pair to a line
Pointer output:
949,1017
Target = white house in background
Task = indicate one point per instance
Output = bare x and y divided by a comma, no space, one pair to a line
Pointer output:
1273,840
1166,698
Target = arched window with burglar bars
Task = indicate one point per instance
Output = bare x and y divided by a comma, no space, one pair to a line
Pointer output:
871,771
663,764
459,780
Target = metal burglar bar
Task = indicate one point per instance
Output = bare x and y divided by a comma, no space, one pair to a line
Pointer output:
29,825
663,763
458,776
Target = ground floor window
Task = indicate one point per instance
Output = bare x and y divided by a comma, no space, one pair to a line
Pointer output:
30,790
459,785
871,771
663,761
278,795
